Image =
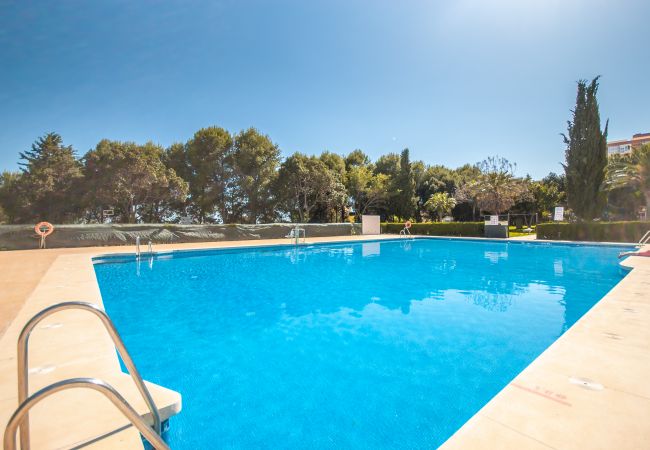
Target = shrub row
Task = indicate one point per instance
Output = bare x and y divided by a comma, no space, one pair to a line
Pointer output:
439,229
593,231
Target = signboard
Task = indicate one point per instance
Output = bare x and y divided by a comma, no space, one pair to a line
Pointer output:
494,220
558,216
370,225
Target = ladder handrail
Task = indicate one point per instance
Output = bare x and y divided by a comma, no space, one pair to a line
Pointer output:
23,361
22,412
137,247
645,238
294,234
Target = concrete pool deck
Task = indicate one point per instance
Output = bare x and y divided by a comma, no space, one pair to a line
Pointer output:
587,390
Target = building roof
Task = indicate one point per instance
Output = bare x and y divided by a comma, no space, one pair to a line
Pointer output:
636,139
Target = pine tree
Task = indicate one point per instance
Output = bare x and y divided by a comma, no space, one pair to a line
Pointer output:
404,199
586,154
50,176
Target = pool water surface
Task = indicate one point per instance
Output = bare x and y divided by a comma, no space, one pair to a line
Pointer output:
367,345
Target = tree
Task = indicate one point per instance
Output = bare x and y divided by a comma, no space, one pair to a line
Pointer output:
306,184
464,192
631,171
356,158
548,193
429,180
50,177
255,161
586,154
205,163
366,189
496,189
440,204
388,164
12,201
133,180
336,164
403,189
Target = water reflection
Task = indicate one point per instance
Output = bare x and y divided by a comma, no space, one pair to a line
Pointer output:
314,280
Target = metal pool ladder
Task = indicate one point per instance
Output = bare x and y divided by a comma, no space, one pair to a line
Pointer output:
20,418
137,247
644,240
295,234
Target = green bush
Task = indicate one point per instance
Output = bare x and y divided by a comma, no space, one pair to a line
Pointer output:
439,228
593,231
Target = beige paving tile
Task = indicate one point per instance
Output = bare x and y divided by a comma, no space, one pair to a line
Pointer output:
118,440
20,273
552,409
611,362
484,433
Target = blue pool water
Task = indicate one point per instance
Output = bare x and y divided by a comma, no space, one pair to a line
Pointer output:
371,345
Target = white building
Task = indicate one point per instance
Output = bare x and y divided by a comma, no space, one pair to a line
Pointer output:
624,147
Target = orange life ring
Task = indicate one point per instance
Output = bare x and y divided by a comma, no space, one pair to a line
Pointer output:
407,225
49,229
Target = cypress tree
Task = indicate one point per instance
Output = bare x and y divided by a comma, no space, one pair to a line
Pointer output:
404,188
586,154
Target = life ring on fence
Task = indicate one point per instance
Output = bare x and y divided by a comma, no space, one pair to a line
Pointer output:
408,224
49,229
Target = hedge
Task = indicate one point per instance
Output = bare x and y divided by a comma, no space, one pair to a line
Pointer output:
19,237
593,231
476,229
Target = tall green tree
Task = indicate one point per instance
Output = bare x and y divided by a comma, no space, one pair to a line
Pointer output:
586,154
336,164
206,163
51,173
465,178
356,158
306,185
368,191
388,164
133,180
548,193
430,180
12,199
403,188
255,162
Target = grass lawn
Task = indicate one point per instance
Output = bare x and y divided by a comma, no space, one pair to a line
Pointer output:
516,232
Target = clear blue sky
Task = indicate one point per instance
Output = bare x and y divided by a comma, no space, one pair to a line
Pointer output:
455,81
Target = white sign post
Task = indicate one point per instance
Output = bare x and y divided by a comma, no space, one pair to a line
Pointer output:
558,215
494,220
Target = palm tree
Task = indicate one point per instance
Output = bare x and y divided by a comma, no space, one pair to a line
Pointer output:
631,170
440,204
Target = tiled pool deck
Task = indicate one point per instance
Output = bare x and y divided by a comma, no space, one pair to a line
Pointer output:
546,406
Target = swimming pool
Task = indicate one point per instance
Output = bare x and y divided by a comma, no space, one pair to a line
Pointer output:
384,344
